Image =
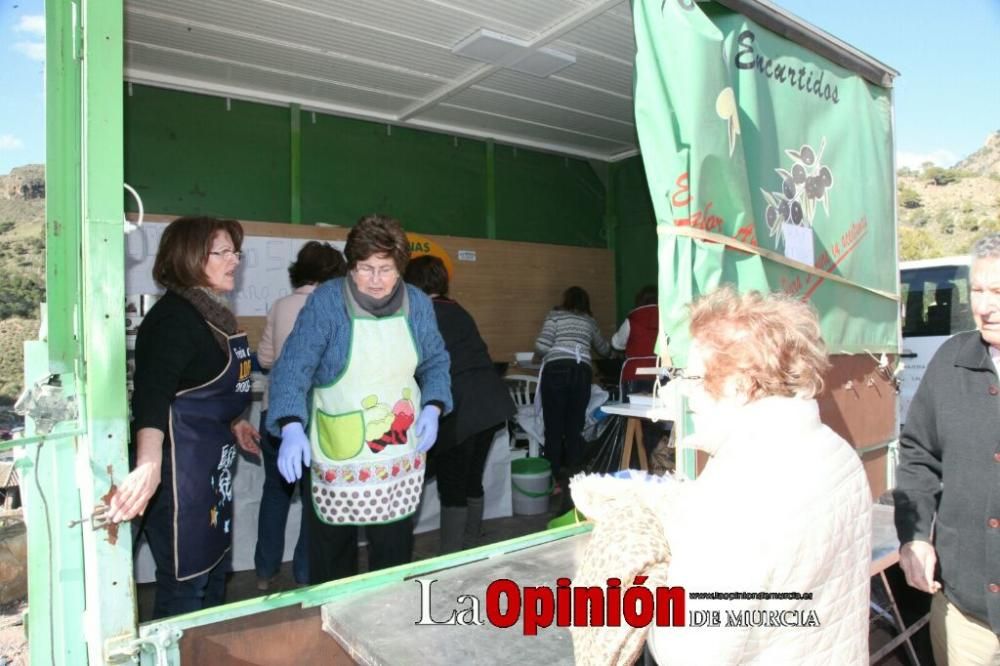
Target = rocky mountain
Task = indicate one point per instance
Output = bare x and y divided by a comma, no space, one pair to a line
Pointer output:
24,183
22,273
986,160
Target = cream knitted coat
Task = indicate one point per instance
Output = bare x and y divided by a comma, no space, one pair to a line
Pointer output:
783,506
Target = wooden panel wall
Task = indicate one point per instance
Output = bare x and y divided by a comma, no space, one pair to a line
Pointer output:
859,403
507,289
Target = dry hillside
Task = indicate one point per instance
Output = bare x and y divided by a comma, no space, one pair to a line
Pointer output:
22,271
942,211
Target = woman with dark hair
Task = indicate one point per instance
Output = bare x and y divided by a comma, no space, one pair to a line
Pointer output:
192,385
365,373
567,335
316,263
482,406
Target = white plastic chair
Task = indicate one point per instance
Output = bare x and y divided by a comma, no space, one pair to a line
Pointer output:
527,424
633,362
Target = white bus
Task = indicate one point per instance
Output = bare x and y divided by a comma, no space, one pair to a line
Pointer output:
935,306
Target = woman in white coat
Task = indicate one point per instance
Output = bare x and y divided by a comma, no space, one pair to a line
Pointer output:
783,505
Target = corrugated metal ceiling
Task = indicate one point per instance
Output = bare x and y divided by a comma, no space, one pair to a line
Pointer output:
391,61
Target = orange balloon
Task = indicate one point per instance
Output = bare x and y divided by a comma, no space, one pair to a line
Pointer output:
421,245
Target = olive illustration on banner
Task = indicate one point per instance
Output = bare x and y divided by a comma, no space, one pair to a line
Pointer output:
726,108
796,212
804,186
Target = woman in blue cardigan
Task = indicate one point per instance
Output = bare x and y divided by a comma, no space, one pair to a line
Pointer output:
356,396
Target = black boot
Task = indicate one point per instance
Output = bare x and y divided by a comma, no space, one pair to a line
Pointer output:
453,525
473,523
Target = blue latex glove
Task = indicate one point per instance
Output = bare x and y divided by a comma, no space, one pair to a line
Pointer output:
294,452
426,428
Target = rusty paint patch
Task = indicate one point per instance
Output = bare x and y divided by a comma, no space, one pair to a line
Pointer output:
113,533
106,500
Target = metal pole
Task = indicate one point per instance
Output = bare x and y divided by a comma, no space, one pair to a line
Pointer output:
295,166
103,462
55,565
491,190
62,175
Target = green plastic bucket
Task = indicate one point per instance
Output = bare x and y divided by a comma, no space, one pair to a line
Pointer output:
531,479
571,517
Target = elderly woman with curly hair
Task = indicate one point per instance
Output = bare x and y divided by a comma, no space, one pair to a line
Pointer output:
782,506
355,396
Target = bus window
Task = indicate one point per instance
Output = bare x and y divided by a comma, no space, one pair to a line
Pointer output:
935,301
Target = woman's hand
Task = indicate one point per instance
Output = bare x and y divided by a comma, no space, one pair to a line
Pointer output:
138,487
247,436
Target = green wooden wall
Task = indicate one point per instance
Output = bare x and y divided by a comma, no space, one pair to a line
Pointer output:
196,154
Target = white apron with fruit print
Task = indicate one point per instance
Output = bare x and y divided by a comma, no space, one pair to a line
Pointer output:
365,465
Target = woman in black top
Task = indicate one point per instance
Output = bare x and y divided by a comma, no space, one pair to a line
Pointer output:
192,386
482,406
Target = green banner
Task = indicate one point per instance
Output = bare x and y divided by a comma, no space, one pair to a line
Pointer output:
786,156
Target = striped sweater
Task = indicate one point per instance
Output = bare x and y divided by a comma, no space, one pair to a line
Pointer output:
569,335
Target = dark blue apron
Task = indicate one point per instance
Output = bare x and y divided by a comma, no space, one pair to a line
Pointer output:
202,454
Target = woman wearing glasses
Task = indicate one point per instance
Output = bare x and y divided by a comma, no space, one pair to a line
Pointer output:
783,506
356,396
192,386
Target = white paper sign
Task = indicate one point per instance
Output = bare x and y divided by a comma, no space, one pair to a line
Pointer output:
261,280
466,255
799,243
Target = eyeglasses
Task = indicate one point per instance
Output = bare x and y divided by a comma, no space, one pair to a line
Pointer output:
227,254
685,382
679,373
369,272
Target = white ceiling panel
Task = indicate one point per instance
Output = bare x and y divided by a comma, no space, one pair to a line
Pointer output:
556,116
555,90
531,16
533,135
266,21
262,53
391,61
623,11
180,70
596,71
608,34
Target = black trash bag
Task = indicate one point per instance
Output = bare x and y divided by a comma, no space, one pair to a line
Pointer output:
603,455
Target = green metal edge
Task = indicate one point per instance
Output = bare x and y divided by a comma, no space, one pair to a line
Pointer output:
111,617
62,183
321,594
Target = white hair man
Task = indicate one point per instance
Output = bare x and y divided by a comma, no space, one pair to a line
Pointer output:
948,485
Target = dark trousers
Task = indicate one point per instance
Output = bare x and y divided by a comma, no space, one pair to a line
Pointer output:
173,596
460,468
273,515
333,549
565,394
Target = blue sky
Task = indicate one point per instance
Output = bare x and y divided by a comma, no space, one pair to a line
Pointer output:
947,98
